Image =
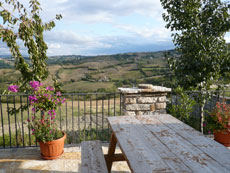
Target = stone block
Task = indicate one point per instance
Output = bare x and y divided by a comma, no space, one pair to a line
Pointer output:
162,99
130,113
130,100
138,107
160,105
147,113
147,100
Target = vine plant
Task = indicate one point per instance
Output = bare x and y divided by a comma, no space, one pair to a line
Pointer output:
26,25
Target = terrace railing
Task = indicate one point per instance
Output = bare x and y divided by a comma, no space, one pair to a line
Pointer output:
82,117
195,119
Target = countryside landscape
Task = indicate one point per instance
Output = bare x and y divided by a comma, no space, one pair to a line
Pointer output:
98,73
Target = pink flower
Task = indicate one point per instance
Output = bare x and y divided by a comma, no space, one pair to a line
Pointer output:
63,100
33,99
50,113
49,88
35,85
13,88
58,93
33,109
52,117
46,95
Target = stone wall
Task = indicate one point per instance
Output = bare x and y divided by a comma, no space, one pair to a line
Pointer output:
144,100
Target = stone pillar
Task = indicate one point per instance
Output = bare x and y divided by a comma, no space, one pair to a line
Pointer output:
144,100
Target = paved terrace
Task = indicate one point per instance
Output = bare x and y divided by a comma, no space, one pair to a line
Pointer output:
28,160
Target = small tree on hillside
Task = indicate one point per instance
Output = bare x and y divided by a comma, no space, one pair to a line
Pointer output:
25,25
199,27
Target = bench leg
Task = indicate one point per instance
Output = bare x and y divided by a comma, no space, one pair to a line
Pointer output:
111,151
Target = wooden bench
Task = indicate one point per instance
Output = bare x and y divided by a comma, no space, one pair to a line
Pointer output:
92,158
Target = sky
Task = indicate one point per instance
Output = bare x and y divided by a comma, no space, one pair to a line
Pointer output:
98,27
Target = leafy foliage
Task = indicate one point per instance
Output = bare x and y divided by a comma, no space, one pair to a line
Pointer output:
198,28
184,106
26,25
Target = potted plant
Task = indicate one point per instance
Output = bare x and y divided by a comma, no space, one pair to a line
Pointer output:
219,123
45,101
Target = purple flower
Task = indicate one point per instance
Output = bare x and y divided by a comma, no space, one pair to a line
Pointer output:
33,99
33,109
58,93
49,88
50,113
52,117
46,95
35,85
50,131
63,100
33,130
13,88
53,111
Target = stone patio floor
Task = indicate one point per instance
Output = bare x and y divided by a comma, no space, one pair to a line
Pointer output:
28,160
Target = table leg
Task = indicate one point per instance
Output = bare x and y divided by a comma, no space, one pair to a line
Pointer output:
111,151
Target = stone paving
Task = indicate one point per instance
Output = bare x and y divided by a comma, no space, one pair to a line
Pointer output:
28,160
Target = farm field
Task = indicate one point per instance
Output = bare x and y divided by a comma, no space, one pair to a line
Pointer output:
98,73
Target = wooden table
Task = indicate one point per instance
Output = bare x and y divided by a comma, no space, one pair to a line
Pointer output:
161,143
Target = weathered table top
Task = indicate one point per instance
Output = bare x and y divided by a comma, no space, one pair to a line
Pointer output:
161,143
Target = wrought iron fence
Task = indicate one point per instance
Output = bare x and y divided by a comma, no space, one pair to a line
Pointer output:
211,98
82,117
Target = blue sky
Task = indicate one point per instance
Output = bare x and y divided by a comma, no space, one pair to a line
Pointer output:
93,27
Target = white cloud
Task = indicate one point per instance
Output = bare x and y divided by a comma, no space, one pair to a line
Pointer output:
100,26
100,10
68,42
156,33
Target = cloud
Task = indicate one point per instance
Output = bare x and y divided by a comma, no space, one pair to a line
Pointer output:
101,10
92,27
156,33
68,42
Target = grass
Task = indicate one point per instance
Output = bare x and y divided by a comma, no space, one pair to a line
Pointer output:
90,86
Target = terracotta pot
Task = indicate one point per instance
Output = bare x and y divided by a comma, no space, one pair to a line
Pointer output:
222,137
52,149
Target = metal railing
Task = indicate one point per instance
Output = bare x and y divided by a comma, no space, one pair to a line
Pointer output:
82,117
212,97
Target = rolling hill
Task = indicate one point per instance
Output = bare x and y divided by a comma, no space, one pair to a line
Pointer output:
105,73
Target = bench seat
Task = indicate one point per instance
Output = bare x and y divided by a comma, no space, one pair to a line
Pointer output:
92,158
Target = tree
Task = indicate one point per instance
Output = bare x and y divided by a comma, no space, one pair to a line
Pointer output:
26,25
199,28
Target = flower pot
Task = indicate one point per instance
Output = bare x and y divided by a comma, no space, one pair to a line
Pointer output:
52,149
222,137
